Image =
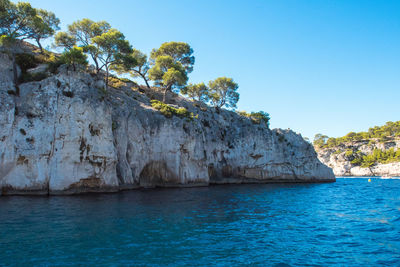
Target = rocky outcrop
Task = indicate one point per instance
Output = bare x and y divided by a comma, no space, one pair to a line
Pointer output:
66,134
342,165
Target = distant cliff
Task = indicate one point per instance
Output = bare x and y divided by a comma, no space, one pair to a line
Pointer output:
372,153
65,133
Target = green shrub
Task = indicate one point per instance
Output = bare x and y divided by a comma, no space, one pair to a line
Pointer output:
45,57
349,153
32,77
256,117
377,156
116,82
125,80
26,61
357,161
169,111
53,63
337,152
260,116
243,113
73,57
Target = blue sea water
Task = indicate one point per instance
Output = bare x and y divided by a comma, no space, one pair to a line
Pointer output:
352,222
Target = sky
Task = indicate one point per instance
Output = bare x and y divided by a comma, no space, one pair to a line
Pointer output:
321,66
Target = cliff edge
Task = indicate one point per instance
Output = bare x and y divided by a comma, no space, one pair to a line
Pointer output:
363,158
66,134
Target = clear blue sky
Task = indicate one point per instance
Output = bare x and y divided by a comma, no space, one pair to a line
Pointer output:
315,66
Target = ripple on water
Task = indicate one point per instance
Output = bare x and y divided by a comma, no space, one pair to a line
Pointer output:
350,222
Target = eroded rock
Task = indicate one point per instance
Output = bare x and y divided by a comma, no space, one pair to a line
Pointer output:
65,134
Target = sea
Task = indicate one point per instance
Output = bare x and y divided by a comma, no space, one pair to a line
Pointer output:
352,222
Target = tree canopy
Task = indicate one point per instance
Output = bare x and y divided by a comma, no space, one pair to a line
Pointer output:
136,66
168,73
167,66
106,46
378,133
112,48
223,92
178,51
63,39
21,21
43,26
74,56
199,92
81,33
16,20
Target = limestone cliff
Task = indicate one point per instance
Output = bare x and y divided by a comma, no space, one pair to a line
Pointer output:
341,158
66,134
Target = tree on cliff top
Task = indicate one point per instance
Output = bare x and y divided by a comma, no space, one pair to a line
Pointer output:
16,19
15,24
168,73
112,49
223,92
64,39
179,51
138,67
43,26
199,92
81,33
171,64
320,140
74,56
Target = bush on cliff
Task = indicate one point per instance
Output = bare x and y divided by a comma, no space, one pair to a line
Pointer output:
377,156
26,61
169,111
74,57
378,133
256,117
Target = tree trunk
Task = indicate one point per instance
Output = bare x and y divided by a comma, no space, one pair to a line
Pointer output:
165,94
40,46
97,66
106,77
145,80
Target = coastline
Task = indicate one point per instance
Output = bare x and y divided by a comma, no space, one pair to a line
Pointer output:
114,190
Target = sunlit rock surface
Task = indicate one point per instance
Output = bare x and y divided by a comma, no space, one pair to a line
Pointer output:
341,164
66,134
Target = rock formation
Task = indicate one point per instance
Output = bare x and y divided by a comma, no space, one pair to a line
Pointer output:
342,165
67,134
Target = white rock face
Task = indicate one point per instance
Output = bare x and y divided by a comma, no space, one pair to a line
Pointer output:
64,135
342,165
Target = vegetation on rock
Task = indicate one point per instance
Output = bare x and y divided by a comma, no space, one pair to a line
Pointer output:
377,156
223,92
375,134
169,111
138,67
168,66
74,56
43,26
256,117
199,92
352,141
17,22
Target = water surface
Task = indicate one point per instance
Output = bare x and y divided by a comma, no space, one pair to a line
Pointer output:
350,222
